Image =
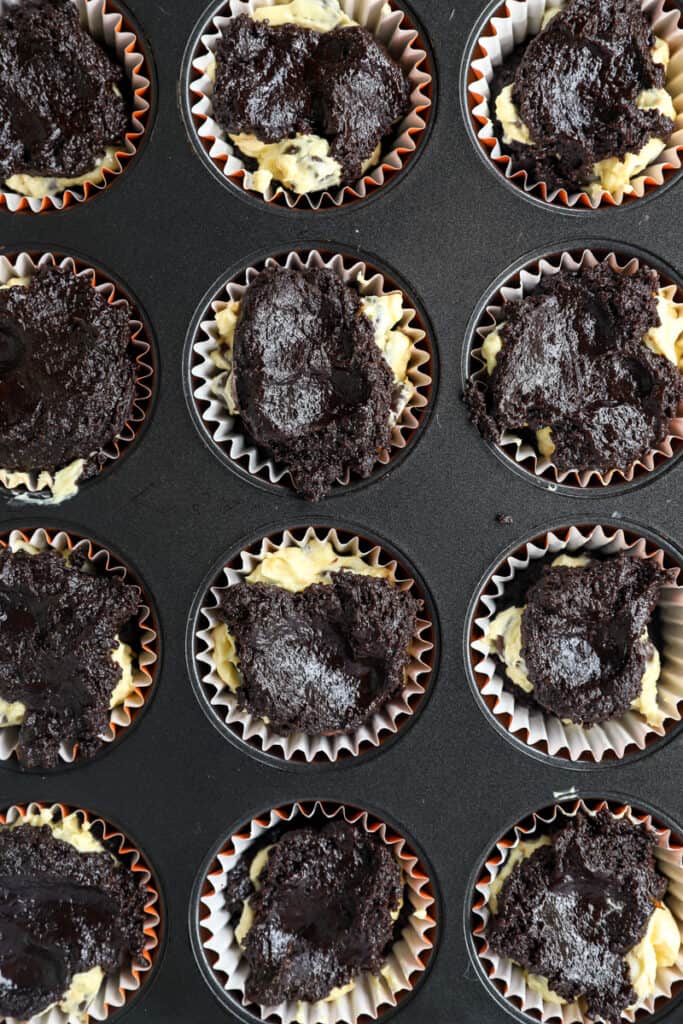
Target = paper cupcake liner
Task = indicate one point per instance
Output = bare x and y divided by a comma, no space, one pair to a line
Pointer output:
371,996
226,432
144,667
25,265
506,977
107,25
220,702
529,723
119,987
519,285
400,37
509,26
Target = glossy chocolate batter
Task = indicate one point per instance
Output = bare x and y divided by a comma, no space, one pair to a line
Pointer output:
58,108
572,910
58,628
62,912
322,915
67,377
279,81
313,388
581,636
575,86
324,659
573,359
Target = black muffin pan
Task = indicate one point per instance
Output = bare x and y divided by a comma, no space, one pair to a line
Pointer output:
168,228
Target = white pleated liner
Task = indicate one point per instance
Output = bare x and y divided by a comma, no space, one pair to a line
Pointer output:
371,995
24,265
144,659
522,19
254,731
524,283
507,977
403,44
105,24
119,986
542,730
227,432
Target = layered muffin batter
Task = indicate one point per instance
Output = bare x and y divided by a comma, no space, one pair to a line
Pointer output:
70,914
583,911
312,910
63,664
318,374
67,379
579,647
313,641
583,105
586,369
305,94
63,111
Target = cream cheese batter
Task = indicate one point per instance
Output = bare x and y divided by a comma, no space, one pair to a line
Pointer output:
37,187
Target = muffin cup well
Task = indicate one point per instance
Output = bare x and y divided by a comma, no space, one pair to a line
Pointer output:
222,961
225,433
29,486
119,987
145,665
508,25
522,283
505,978
219,701
107,25
528,723
398,34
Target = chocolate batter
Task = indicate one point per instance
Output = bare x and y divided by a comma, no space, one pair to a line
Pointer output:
61,912
322,915
58,628
324,659
279,81
576,85
58,108
67,377
573,359
572,911
313,388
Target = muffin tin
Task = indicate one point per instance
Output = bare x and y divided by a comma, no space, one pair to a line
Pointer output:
446,228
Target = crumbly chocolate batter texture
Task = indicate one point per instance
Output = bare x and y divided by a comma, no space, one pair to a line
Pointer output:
324,659
575,85
322,915
572,911
58,107
314,390
67,377
581,636
277,81
574,360
62,912
58,629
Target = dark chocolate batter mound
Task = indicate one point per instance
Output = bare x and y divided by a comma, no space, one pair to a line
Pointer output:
61,912
67,378
322,914
574,360
280,81
313,388
572,911
581,636
58,108
324,659
576,85
58,624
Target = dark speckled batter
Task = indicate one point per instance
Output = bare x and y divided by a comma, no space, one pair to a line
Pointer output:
573,359
58,109
572,911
